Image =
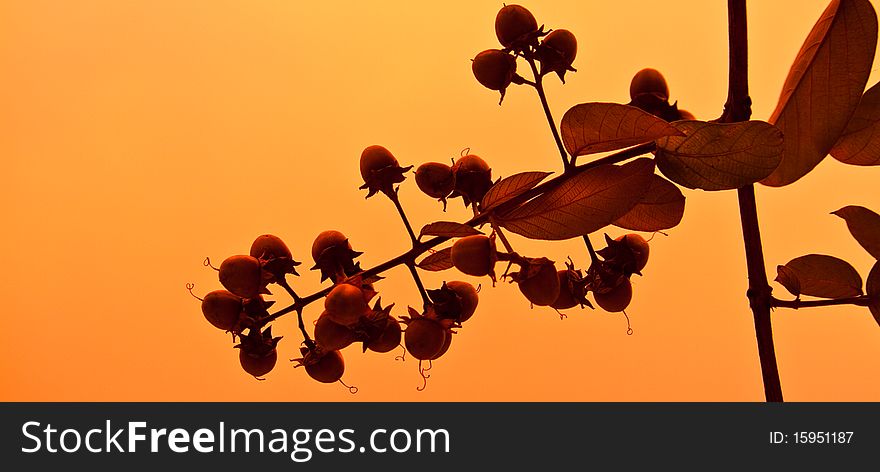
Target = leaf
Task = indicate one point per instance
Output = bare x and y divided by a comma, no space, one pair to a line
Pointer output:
819,275
719,156
824,87
440,260
864,225
584,203
511,187
860,143
873,289
662,207
448,229
598,127
788,279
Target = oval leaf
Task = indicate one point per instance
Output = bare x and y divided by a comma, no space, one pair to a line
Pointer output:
873,289
719,156
440,260
864,225
584,203
449,229
824,87
662,207
511,187
598,127
860,143
819,275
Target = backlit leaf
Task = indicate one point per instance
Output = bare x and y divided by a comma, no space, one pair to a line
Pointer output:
449,229
719,156
661,208
584,203
511,187
598,127
864,225
818,275
873,291
824,87
860,143
440,260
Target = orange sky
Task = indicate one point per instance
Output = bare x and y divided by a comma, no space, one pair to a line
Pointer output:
139,137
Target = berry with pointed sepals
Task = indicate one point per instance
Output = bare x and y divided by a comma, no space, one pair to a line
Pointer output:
244,276
455,300
257,352
346,303
424,337
436,180
516,27
495,70
626,254
222,309
537,280
334,256
572,289
380,170
475,255
274,255
615,299
323,366
473,178
557,53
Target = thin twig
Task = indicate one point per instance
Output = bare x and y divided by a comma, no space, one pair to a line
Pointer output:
798,303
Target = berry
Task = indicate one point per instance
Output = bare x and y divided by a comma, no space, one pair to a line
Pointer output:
445,346
436,180
269,247
424,338
324,366
222,309
257,365
243,276
639,247
515,27
332,336
473,178
538,281
334,256
649,82
566,298
475,255
616,299
380,170
388,338
557,52
494,69
468,298
345,304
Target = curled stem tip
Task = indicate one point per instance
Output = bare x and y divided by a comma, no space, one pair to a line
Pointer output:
401,357
629,330
655,233
424,376
465,151
351,388
189,288
207,263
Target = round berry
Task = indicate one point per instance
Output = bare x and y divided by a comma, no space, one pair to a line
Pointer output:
374,158
242,275
257,365
328,368
327,240
639,247
494,69
424,338
435,179
222,309
332,336
617,299
388,338
541,287
649,82
474,255
345,304
515,26
268,247
468,298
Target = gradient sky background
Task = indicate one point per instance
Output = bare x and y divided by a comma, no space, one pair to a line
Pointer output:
138,137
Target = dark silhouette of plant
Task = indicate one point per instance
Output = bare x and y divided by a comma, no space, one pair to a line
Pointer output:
821,111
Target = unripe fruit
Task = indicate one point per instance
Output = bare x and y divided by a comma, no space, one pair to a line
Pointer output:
474,255
435,179
326,240
639,247
269,246
649,81
468,297
374,158
542,286
328,368
222,309
494,69
242,275
424,338
332,336
617,299
514,25
345,304
257,365
388,339
563,42
473,178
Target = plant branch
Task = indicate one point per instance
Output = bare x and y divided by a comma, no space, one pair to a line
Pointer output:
796,304
396,200
539,87
420,248
593,256
296,301
738,108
